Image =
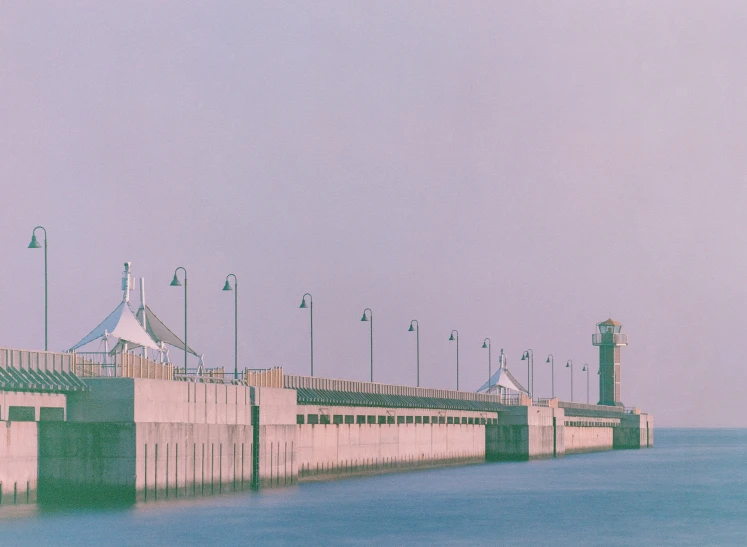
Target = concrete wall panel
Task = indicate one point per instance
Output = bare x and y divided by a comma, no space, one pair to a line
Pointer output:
587,439
86,462
178,460
18,462
36,400
345,448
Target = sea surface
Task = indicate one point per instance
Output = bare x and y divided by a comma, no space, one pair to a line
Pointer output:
691,489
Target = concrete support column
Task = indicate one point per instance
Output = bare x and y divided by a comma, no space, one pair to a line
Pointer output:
635,431
526,432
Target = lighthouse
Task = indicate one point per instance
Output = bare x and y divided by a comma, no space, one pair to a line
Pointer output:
610,340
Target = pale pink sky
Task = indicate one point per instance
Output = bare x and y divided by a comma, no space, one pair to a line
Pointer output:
518,170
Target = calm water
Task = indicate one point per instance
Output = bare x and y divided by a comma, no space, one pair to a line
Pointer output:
689,490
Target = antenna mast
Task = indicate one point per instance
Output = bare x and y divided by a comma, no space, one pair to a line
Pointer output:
126,282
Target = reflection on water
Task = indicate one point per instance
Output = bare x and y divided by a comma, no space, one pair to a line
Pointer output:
689,490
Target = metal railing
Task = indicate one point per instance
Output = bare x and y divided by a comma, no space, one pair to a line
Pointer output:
330,384
257,377
584,406
217,375
41,371
605,338
36,360
120,365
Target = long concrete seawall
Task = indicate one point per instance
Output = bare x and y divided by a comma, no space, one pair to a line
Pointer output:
365,439
129,439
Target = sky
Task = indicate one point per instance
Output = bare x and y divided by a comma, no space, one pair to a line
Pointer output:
512,170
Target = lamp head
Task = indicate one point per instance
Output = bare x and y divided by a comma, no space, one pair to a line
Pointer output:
452,336
484,345
584,369
524,356
364,318
410,329
227,286
568,364
548,359
303,303
34,243
175,282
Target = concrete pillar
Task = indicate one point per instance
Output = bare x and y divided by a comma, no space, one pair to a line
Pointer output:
634,431
526,432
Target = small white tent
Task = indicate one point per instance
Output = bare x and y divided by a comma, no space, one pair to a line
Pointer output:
502,379
121,324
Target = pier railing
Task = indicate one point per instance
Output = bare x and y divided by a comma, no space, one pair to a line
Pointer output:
331,384
584,406
120,365
42,371
40,360
271,377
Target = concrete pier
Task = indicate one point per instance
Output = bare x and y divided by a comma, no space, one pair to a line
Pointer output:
132,438
20,414
123,440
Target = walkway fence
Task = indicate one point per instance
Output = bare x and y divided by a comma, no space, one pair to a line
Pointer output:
120,365
330,384
130,365
85,364
42,371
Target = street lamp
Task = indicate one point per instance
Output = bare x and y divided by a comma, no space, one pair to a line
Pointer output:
551,360
457,348
586,370
369,318
417,339
529,357
235,289
35,245
486,345
175,283
311,317
567,365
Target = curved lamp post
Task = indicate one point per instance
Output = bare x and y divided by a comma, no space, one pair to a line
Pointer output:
529,357
486,345
311,317
369,318
175,283
586,370
235,289
35,245
551,360
569,364
457,353
417,341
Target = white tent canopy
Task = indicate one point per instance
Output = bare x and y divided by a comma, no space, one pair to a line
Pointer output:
121,324
159,331
503,378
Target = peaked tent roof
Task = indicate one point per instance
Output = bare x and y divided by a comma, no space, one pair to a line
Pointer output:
503,378
159,331
120,323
